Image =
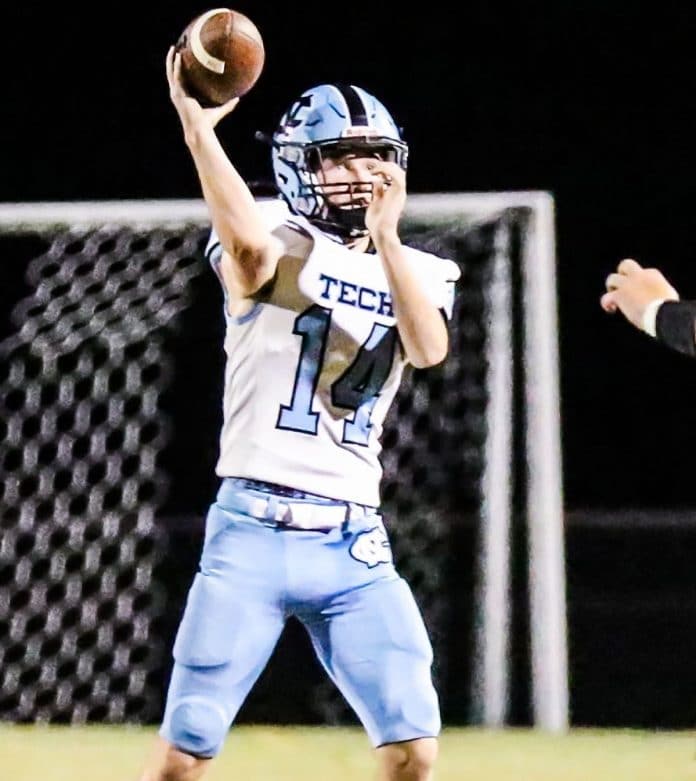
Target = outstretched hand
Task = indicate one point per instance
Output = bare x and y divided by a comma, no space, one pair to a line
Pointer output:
190,111
631,288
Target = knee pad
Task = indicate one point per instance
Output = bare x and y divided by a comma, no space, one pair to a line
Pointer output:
198,726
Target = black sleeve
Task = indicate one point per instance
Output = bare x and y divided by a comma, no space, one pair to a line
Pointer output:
675,326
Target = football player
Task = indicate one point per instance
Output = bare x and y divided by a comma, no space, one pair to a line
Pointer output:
324,308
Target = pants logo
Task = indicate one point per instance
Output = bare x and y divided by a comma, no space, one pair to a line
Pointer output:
372,547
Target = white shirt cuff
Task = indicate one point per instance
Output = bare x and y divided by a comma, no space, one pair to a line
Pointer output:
650,316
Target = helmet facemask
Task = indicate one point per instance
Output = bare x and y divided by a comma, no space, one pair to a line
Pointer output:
340,207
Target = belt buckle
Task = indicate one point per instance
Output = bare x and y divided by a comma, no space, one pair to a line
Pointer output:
315,517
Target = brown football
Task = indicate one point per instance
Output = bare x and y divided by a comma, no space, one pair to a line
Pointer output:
222,56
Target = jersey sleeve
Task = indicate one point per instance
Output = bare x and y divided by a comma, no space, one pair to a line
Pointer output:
447,292
213,249
439,276
273,211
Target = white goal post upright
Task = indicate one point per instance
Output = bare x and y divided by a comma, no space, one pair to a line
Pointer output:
544,489
547,579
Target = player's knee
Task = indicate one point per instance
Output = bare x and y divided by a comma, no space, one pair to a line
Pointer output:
411,760
423,755
198,727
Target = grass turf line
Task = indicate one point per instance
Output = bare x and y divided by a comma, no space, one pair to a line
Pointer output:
264,753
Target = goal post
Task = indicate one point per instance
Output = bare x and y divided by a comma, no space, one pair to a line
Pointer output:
87,367
545,476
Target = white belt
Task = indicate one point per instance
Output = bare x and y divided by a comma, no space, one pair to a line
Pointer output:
297,515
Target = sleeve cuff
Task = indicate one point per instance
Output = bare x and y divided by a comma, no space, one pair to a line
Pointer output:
649,323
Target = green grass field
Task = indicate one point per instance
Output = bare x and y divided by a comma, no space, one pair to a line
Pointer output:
95,753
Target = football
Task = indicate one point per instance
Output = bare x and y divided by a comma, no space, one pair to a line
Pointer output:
222,56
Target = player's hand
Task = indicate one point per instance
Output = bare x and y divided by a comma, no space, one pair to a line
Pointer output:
190,111
388,200
631,288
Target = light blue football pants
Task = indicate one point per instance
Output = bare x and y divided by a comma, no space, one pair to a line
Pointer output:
341,584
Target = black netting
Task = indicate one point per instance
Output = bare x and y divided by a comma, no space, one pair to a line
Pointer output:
110,384
84,366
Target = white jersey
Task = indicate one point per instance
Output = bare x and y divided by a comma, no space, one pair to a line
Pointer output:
312,369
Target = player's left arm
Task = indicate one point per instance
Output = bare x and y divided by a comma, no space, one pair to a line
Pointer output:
421,327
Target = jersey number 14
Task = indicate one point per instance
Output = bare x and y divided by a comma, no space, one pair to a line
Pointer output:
357,389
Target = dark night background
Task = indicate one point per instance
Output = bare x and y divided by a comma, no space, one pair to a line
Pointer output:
592,102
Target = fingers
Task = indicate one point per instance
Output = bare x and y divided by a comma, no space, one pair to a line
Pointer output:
379,188
180,95
614,281
176,65
174,68
380,185
170,64
608,303
389,172
387,178
628,266
225,108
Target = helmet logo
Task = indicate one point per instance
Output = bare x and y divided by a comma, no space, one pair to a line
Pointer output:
359,130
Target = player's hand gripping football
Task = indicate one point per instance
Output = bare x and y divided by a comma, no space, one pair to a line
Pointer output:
631,288
190,111
388,199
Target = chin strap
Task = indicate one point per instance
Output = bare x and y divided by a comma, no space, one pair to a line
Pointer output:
345,223
345,231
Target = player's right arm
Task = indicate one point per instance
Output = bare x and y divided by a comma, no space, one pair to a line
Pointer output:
250,251
649,302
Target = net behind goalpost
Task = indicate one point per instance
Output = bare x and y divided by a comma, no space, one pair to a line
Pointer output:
110,375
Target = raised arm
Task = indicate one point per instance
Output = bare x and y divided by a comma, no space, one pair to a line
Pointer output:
250,250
